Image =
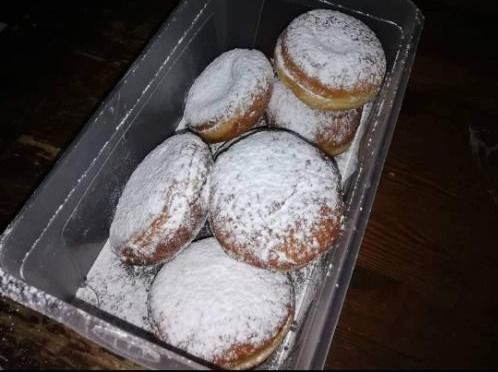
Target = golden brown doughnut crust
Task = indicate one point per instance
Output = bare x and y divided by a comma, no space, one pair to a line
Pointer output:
235,125
166,250
334,150
331,131
326,139
164,202
248,356
326,232
312,92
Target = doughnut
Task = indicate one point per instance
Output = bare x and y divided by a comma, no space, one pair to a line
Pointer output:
164,203
226,312
230,95
217,147
331,131
330,60
275,200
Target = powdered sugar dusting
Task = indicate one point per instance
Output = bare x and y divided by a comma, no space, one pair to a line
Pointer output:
204,302
117,288
216,147
285,110
228,86
347,162
338,50
306,282
279,63
269,185
168,181
182,125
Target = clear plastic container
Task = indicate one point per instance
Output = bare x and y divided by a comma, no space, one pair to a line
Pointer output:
47,251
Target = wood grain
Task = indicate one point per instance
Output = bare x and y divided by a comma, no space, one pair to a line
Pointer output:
423,292
424,289
30,340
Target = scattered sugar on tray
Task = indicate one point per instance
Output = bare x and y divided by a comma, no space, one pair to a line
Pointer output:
306,282
117,288
347,162
300,279
182,125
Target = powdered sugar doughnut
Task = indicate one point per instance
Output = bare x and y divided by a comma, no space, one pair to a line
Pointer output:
331,131
164,203
223,311
216,147
275,200
330,60
230,95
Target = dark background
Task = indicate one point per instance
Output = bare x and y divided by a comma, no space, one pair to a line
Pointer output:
424,292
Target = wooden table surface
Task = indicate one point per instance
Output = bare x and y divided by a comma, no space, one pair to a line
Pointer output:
424,291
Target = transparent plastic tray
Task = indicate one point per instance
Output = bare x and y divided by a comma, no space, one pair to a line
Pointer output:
50,247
